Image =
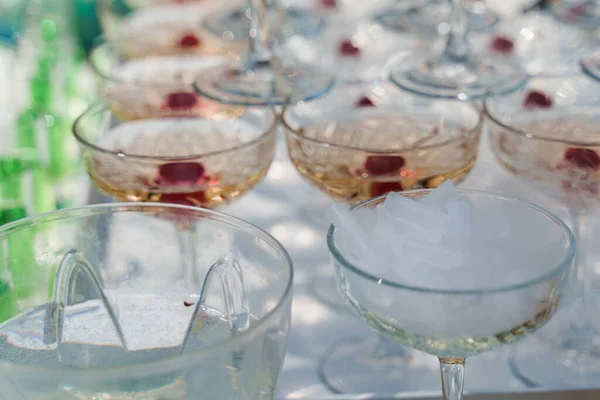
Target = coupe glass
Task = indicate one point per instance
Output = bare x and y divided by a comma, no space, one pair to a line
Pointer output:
360,141
263,78
155,86
457,72
427,16
190,161
590,64
456,324
158,28
91,313
582,13
547,134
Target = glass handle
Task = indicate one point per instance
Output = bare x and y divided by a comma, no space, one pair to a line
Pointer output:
260,43
453,377
457,45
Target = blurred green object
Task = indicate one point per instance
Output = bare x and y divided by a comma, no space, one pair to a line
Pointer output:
87,25
8,302
18,190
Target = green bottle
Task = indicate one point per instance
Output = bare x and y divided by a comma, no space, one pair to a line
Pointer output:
8,302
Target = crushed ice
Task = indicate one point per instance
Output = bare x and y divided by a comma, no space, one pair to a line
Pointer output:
443,241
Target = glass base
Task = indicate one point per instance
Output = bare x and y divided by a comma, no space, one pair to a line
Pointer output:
470,78
324,287
263,85
426,19
235,24
590,64
540,361
377,365
582,13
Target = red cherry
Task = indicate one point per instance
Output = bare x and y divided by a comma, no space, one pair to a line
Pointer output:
381,188
348,49
181,100
365,102
180,173
582,158
503,44
383,165
185,199
537,99
329,3
188,41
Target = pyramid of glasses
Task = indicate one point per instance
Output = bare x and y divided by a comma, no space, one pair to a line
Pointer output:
155,138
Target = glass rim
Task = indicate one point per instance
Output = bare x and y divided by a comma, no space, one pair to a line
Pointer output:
103,43
169,363
564,264
103,106
475,130
488,101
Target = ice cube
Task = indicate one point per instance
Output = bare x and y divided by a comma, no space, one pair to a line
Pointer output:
437,255
442,195
410,218
460,213
409,210
402,228
353,233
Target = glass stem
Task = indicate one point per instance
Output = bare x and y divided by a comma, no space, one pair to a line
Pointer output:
261,52
457,44
453,377
580,285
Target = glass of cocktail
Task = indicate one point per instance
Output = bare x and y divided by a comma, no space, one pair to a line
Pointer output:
192,161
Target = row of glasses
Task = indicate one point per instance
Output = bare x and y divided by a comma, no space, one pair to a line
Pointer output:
155,139
353,376
547,134
360,141
366,102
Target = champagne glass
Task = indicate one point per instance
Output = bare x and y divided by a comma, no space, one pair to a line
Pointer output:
547,134
360,141
263,78
104,310
190,161
457,72
454,324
